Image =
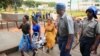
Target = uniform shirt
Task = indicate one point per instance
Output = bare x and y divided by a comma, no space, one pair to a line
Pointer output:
65,25
90,28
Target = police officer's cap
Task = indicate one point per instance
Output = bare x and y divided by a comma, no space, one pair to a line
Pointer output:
60,6
93,9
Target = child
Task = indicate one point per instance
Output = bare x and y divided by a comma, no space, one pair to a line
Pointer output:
25,43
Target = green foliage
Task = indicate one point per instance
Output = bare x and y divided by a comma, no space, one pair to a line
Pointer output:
29,3
51,4
37,4
5,3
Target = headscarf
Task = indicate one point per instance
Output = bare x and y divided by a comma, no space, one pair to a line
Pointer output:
36,20
94,10
60,6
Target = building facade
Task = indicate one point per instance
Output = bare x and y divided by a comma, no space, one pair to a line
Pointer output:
84,4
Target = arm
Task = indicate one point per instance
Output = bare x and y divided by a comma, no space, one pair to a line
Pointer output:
97,34
96,43
19,27
70,32
97,40
30,35
29,29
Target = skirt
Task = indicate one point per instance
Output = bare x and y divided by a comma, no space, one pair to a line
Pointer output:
37,43
25,44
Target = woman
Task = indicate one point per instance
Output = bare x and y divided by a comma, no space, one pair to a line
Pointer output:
50,34
36,35
90,33
25,43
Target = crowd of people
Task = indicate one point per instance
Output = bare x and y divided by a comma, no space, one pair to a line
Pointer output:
63,31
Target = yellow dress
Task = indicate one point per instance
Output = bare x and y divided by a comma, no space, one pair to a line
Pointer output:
50,33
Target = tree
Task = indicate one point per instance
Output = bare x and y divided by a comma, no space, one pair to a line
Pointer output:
4,3
38,3
29,3
51,4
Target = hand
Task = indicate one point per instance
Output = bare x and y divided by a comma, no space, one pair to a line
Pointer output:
68,47
93,48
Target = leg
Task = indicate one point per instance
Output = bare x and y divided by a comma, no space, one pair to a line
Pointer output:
22,53
64,51
48,50
82,48
59,44
85,48
34,53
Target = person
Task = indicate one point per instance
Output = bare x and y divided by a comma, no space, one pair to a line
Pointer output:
65,30
77,27
36,35
50,34
90,32
33,15
25,43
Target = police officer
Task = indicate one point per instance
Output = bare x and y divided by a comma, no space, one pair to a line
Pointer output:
90,32
65,30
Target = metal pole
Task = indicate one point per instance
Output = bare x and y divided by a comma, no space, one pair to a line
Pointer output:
70,6
15,6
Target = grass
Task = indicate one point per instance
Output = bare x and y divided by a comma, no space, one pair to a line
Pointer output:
30,11
77,13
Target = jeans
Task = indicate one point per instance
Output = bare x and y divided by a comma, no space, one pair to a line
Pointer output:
62,41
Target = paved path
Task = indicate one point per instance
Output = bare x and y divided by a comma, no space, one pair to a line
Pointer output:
11,38
54,52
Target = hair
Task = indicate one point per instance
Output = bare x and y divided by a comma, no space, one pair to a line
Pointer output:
50,19
26,17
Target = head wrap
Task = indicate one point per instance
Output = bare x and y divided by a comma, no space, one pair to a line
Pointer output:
34,19
60,6
94,10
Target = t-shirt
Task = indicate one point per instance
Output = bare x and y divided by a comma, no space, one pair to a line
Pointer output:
25,28
36,29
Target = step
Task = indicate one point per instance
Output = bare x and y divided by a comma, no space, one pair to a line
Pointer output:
39,53
9,41
3,54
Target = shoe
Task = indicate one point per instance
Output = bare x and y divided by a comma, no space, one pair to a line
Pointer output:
48,51
52,48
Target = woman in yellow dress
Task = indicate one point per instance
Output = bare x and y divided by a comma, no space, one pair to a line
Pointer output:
50,34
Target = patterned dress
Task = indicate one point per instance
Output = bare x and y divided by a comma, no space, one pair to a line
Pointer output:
36,29
50,35
25,44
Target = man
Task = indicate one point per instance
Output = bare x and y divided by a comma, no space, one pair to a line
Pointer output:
90,32
65,30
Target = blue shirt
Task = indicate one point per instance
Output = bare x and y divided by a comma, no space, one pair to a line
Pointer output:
36,28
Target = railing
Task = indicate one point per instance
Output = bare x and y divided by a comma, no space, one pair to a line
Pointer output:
10,18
